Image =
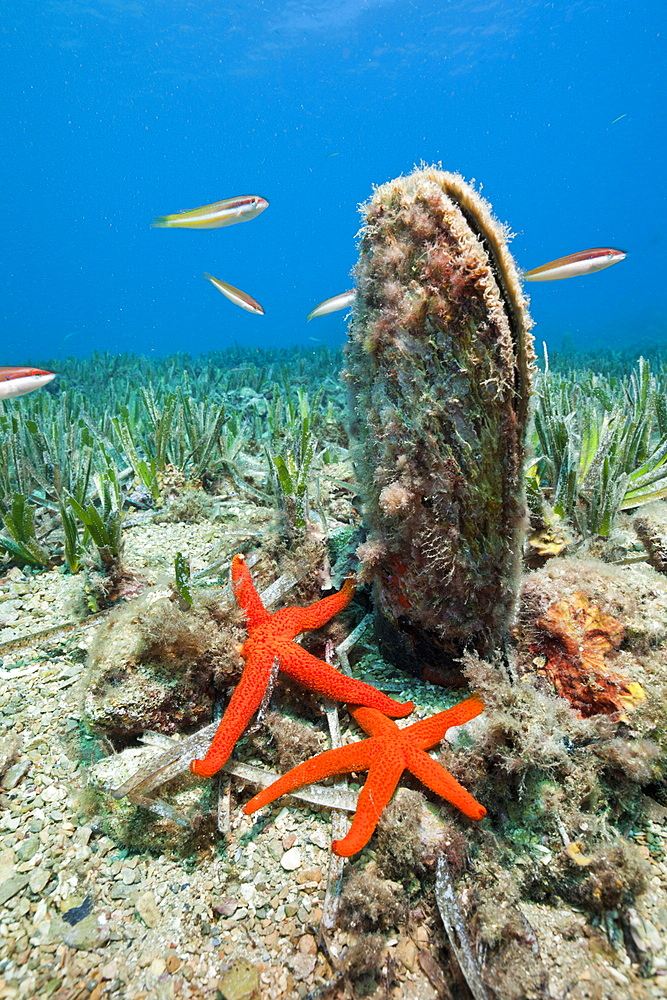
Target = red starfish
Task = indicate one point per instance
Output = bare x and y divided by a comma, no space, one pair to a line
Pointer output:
385,756
271,636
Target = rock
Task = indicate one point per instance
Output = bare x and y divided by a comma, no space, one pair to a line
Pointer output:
226,907
320,838
7,863
150,668
8,749
12,887
39,880
308,945
249,893
644,933
301,965
53,793
78,911
110,970
291,860
240,981
147,910
309,875
406,953
27,849
14,773
86,934
121,891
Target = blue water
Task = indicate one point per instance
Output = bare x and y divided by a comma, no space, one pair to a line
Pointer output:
118,111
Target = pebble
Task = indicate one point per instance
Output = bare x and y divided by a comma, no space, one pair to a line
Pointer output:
301,965
121,891
7,863
320,838
310,875
12,887
110,970
226,907
14,773
308,944
86,934
173,963
291,860
39,879
52,793
240,981
406,952
27,849
147,909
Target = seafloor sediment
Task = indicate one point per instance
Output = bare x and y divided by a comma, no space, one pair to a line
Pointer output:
104,899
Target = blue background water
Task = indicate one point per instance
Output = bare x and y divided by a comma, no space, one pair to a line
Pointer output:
116,111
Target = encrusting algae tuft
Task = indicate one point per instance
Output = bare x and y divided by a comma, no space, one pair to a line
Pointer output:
439,365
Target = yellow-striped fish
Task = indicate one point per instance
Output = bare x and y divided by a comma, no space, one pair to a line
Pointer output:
221,213
332,305
236,296
584,262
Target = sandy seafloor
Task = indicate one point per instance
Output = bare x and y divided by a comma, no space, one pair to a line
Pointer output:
239,925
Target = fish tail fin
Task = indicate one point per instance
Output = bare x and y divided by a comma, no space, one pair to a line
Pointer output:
160,221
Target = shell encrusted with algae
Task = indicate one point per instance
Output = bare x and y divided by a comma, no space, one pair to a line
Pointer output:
439,363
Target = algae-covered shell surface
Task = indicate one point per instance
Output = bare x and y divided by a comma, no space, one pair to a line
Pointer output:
439,363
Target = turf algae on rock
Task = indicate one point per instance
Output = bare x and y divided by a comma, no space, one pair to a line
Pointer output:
439,364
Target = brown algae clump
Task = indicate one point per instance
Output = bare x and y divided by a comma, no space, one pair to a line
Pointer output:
154,667
439,365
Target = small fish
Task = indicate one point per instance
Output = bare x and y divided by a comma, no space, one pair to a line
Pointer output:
221,213
18,381
618,119
333,304
575,264
236,296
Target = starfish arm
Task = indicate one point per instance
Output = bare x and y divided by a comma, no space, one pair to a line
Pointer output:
243,704
380,785
427,732
296,620
341,760
440,781
246,595
376,723
316,675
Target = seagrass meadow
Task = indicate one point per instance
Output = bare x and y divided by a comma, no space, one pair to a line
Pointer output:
126,488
